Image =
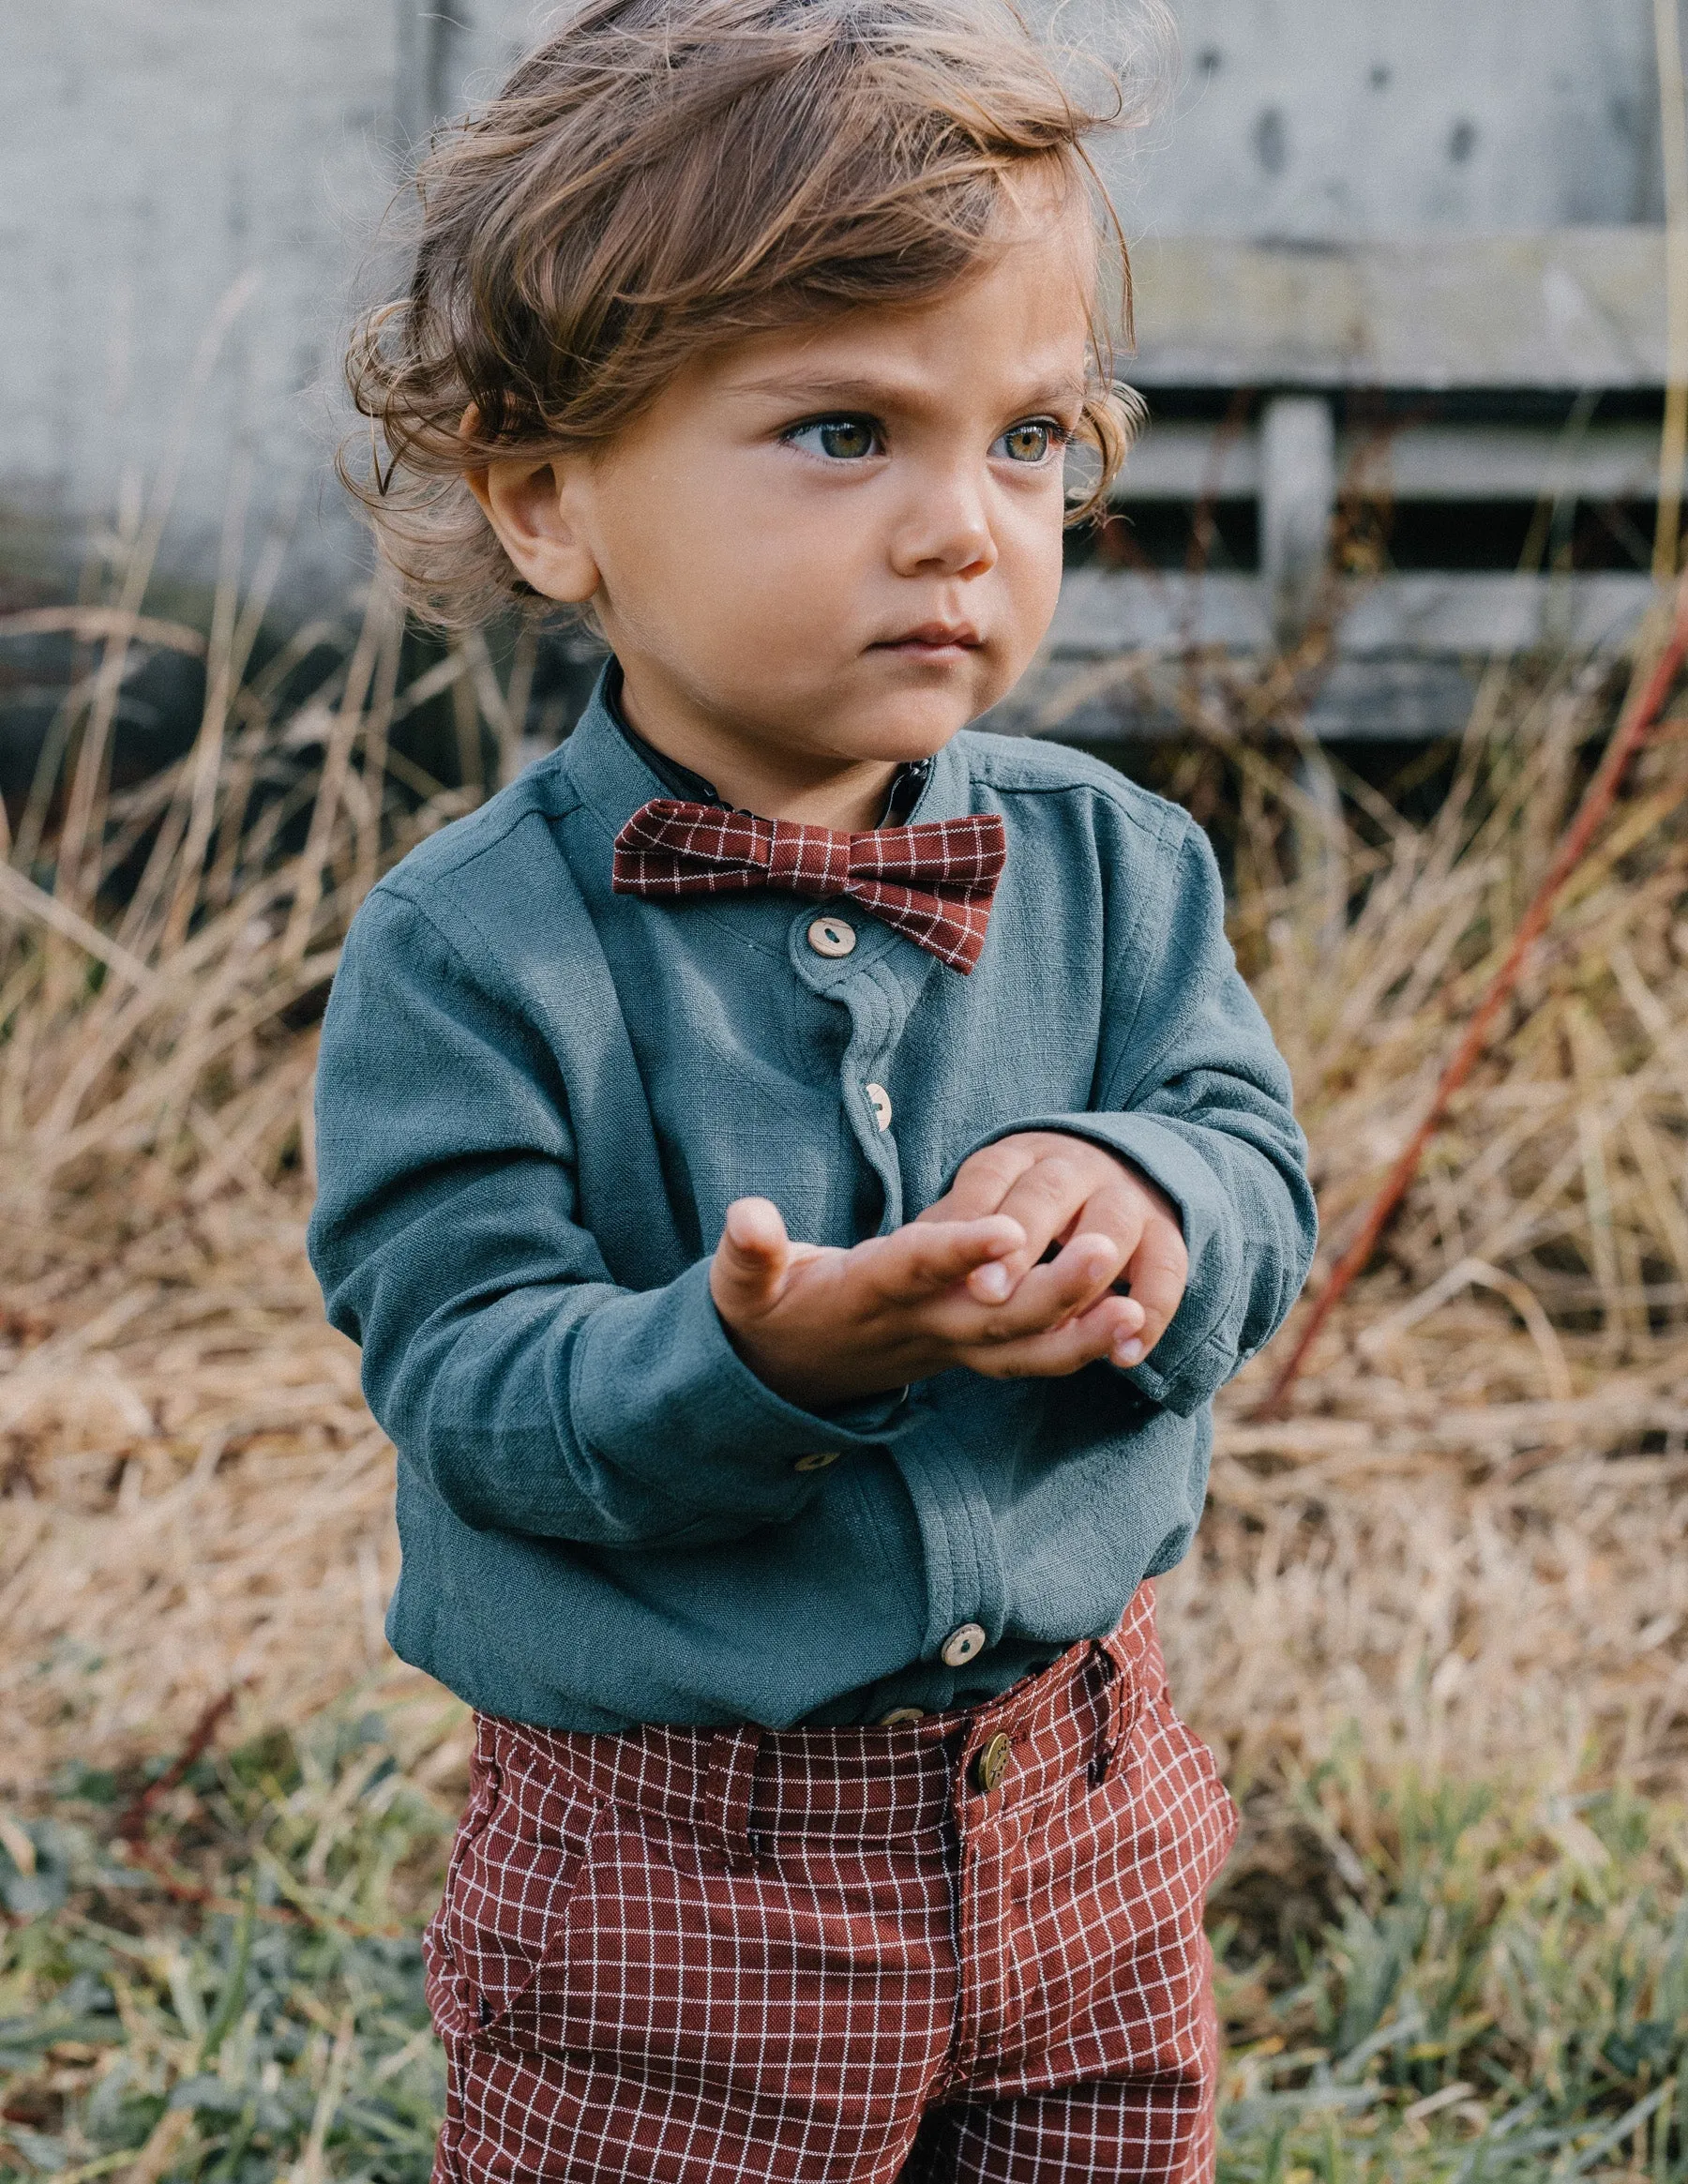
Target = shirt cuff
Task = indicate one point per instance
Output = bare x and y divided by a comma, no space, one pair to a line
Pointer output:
658,1392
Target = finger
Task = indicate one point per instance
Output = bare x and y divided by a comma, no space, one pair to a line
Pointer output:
1049,1201
1112,1213
1158,1271
982,1181
751,1260
1058,1351
1081,1274
924,1260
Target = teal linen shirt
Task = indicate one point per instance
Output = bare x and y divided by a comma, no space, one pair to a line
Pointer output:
536,1100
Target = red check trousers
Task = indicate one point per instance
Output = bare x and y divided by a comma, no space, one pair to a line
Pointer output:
830,1955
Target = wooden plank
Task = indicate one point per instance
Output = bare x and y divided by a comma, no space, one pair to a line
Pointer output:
1186,462
1104,611
1571,307
1298,501
1422,462
1505,463
1409,656
1142,696
1401,700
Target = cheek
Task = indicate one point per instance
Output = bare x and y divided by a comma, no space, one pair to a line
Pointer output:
776,572
1030,545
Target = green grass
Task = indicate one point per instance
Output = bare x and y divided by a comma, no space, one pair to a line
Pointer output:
1419,1980
1488,1987
286,2031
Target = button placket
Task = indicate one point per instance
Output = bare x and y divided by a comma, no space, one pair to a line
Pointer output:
878,981
878,1017
854,975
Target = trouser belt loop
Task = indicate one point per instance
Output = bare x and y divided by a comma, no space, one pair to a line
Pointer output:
727,1793
1111,1683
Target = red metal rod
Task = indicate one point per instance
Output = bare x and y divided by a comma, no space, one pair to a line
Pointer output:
1639,717
131,1828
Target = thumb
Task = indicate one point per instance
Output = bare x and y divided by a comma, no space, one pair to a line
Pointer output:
750,1267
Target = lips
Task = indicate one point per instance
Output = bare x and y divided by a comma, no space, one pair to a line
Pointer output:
934,637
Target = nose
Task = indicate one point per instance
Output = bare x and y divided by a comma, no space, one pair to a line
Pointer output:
944,529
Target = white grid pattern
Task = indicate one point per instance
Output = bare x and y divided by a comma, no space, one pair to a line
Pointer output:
812,1956
933,882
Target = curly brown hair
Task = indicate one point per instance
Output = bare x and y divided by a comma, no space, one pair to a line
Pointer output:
662,176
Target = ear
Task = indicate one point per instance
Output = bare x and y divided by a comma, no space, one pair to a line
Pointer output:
538,511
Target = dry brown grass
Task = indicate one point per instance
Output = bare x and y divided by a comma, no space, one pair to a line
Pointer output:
1465,1545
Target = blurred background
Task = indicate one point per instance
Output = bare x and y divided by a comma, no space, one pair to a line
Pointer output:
1384,579
1418,249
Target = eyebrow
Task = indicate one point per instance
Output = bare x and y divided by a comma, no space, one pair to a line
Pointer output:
859,391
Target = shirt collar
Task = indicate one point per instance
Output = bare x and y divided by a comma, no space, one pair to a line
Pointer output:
679,781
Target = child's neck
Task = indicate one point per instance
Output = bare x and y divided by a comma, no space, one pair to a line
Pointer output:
849,796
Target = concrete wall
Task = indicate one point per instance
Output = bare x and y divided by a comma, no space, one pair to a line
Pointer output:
156,154
1334,120
166,162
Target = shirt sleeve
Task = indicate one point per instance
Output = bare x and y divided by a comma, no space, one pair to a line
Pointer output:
531,1392
1203,1109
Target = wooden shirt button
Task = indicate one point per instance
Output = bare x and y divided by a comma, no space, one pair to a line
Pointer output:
878,1099
962,1644
831,936
819,1461
899,1717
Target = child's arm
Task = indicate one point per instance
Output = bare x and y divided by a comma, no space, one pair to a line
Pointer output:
1201,1116
530,1390
533,1392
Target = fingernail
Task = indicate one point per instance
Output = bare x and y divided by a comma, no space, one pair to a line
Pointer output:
1129,1353
990,1283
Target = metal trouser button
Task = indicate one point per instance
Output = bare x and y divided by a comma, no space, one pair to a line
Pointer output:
991,1764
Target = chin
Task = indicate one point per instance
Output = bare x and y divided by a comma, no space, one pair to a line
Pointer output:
905,741
915,724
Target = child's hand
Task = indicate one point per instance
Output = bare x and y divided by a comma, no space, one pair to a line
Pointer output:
821,1325
1061,1189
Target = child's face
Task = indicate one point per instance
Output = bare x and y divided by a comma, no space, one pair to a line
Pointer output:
823,551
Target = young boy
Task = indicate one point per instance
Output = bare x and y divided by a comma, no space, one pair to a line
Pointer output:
798,1170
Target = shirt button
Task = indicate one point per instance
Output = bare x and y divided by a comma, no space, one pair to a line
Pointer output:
991,1764
899,1717
963,1642
832,937
819,1461
878,1099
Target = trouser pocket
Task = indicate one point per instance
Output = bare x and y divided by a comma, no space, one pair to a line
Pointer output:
515,1864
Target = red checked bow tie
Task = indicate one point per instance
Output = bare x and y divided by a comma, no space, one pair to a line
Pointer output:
933,882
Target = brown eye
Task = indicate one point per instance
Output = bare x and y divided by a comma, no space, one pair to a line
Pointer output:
1028,443
838,439
848,440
